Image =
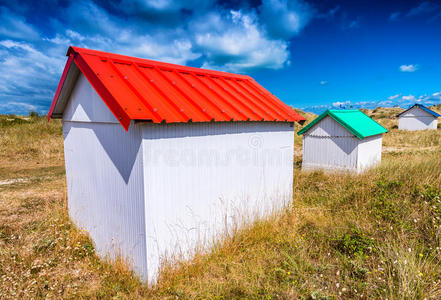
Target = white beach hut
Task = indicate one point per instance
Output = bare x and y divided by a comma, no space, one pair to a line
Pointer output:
342,140
418,117
161,158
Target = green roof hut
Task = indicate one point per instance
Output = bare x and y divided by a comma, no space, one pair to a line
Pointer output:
342,140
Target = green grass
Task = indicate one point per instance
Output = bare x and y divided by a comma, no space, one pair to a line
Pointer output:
374,235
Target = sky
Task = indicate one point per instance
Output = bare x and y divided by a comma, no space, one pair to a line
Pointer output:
313,55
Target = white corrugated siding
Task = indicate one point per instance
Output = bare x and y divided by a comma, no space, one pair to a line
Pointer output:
200,177
369,152
183,184
417,119
329,146
104,177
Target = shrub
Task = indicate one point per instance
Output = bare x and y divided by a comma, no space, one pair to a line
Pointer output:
354,243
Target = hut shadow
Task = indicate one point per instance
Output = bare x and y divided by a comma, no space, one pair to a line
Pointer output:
347,143
346,146
121,147
425,120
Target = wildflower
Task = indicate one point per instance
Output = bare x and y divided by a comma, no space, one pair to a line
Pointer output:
420,274
421,255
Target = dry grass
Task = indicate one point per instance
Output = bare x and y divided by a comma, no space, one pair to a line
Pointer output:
375,235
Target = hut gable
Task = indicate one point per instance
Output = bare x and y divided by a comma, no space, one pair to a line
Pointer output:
417,117
85,105
328,127
416,111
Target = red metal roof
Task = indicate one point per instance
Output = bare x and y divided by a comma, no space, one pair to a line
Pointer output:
141,89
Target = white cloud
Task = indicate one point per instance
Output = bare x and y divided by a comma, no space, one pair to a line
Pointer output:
161,7
283,18
408,68
394,97
341,104
27,75
409,98
15,27
18,108
323,82
235,42
385,103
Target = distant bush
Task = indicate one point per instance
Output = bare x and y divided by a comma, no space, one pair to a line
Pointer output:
34,114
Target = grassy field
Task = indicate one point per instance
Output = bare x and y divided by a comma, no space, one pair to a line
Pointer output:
375,235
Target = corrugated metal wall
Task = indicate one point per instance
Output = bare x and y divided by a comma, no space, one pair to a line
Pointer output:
201,179
417,119
329,146
369,152
105,177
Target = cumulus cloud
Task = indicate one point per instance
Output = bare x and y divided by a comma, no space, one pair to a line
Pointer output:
196,32
408,68
234,42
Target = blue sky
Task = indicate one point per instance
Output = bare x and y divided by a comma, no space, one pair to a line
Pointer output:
311,54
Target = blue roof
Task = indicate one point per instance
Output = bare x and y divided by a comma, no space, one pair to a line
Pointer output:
436,115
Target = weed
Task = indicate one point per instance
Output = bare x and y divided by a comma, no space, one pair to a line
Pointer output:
44,244
354,243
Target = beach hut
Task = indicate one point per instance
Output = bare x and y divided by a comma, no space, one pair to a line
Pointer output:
418,117
342,140
162,159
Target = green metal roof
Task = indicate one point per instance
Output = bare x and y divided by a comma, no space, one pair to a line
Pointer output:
354,120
